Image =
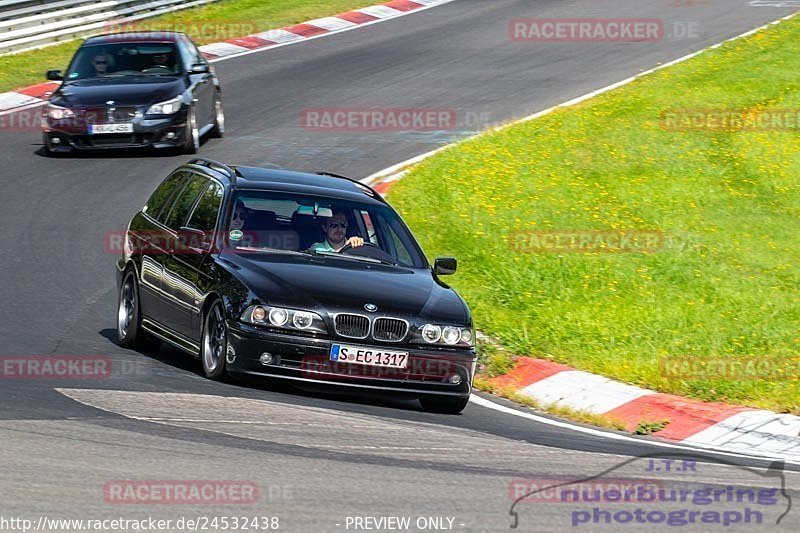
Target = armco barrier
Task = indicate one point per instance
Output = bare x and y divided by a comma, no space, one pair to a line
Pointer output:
26,24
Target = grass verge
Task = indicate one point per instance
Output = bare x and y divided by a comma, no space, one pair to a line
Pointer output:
721,287
215,22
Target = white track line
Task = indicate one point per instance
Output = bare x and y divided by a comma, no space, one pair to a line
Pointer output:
483,402
569,103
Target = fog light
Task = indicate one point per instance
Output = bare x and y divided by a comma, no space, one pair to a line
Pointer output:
170,135
455,379
265,359
55,140
230,356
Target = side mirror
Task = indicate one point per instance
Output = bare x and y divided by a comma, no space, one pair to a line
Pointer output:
444,266
54,75
199,68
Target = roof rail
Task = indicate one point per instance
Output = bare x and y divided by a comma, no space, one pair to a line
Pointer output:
366,188
215,165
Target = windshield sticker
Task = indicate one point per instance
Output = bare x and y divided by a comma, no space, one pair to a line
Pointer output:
236,235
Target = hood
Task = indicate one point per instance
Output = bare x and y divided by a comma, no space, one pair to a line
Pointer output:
340,285
125,91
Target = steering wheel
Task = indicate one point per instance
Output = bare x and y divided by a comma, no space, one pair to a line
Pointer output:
369,249
347,247
151,69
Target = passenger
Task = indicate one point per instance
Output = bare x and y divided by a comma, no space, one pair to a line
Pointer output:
335,229
239,216
161,60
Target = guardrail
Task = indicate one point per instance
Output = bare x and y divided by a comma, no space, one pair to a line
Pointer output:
27,24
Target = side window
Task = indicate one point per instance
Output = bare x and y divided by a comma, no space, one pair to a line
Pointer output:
184,202
204,216
163,194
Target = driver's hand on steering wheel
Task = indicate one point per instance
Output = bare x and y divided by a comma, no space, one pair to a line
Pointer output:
355,242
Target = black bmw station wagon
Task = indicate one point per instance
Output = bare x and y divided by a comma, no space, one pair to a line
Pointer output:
306,277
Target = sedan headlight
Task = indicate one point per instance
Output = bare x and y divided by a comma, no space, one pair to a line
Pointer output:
279,317
446,335
57,112
170,107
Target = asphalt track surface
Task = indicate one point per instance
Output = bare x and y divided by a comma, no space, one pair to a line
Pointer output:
317,457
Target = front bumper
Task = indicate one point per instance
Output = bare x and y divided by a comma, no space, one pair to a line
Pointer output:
70,134
307,359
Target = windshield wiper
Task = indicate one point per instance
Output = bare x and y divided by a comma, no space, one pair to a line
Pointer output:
356,257
267,250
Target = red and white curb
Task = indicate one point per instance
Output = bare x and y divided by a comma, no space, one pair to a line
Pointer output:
36,95
316,28
691,422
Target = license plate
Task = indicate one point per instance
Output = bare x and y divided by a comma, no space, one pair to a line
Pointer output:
110,128
361,355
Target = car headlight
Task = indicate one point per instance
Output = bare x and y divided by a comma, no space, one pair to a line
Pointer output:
170,107
447,335
57,112
279,317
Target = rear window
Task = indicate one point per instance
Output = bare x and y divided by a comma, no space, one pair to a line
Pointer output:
185,201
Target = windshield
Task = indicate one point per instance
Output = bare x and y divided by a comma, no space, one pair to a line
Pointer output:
124,59
264,221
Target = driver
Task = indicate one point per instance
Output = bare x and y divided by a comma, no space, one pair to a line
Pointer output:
335,229
101,62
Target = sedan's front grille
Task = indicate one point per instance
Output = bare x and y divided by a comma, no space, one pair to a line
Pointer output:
102,115
353,326
389,329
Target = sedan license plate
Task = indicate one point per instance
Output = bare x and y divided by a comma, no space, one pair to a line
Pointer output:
362,355
110,128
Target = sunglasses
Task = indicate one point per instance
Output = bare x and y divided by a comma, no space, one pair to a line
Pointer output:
240,215
334,225
101,62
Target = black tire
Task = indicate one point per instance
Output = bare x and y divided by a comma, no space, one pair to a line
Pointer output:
129,316
191,141
218,130
214,342
444,404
